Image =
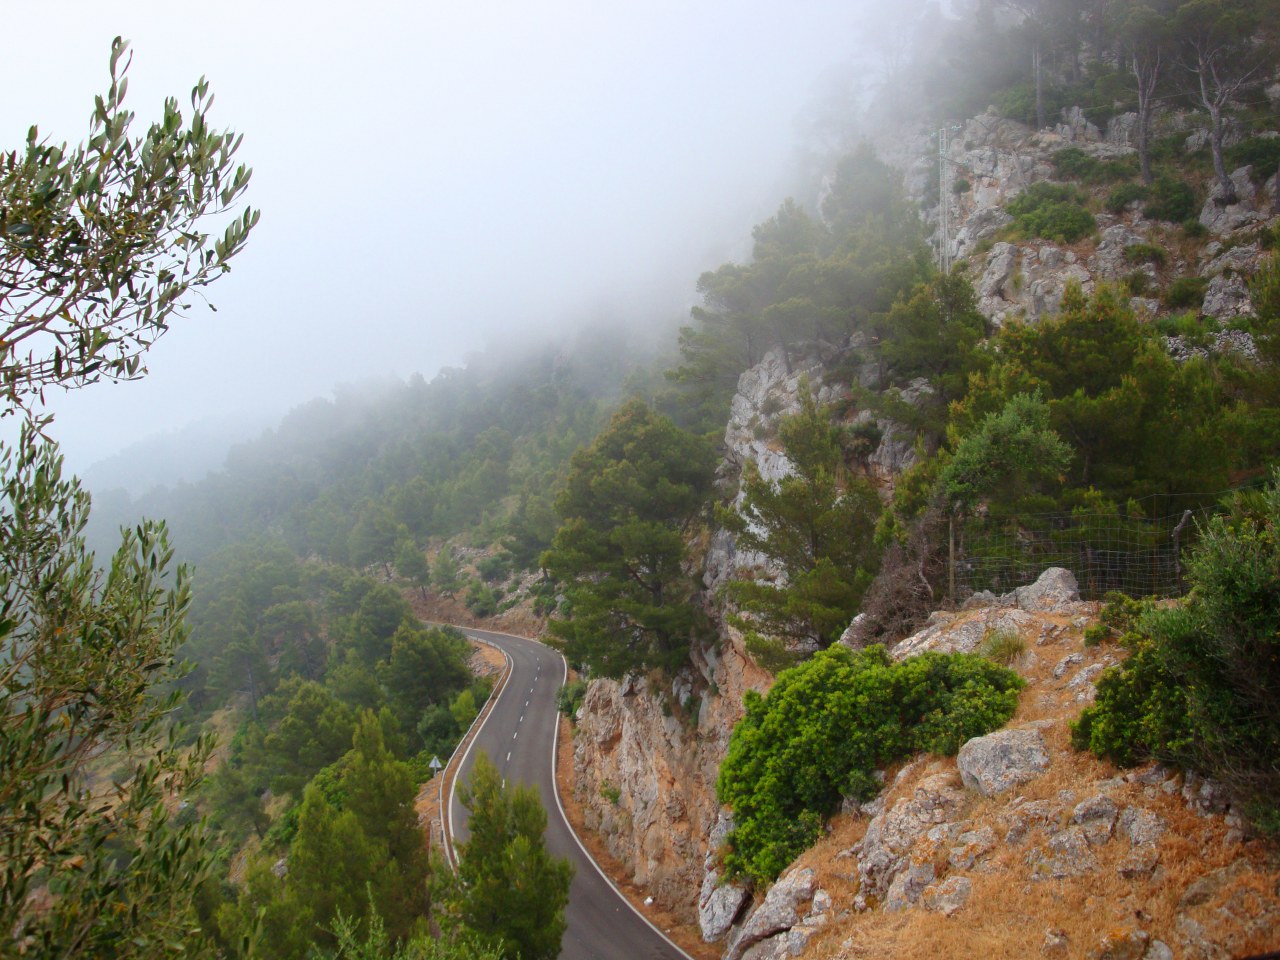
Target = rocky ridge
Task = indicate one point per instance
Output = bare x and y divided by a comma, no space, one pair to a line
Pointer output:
1102,858
1022,845
1001,158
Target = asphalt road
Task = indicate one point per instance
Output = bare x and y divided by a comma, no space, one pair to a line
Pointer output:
519,736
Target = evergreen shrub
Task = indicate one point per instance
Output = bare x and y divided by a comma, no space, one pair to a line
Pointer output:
1185,292
1171,200
1052,211
1200,684
1262,153
826,727
1123,195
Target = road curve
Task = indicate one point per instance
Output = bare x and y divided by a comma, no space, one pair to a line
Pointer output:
519,736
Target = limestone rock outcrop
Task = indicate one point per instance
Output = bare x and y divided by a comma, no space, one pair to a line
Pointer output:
1002,760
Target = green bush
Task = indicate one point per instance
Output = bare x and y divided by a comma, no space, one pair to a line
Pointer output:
1052,211
482,599
1200,686
1074,164
1139,712
1137,282
1185,292
1171,200
1188,325
1123,195
1262,153
826,727
569,699
1146,253
1018,102
961,186
1193,229
1095,634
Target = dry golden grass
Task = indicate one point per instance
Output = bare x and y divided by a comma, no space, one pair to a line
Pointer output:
1010,911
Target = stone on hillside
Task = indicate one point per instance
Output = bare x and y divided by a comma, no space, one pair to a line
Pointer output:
1222,217
1205,796
779,911
1122,945
948,896
1066,854
971,847
1043,815
1141,826
884,851
1055,943
1158,950
1002,760
1140,862
719,905
909,885
949,633
1070,660
1096,816
1053,590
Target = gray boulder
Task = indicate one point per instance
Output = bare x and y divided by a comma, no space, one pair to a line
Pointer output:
1002,760
780,911
1052,591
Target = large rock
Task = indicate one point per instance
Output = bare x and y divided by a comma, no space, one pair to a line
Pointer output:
1052,592
719,905
949,633
1002,760
1222,217
719,901
948,896
779,911
1097,818
1065,854
884,851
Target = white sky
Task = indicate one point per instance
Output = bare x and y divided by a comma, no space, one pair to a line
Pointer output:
432,175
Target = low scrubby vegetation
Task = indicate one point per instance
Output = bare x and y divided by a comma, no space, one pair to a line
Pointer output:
1198,687
829,724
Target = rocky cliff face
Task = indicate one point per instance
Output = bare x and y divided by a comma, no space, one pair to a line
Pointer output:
1001,158
1023,804
646,757
1031,846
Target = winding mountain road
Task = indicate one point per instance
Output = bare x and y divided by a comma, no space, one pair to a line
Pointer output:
519,736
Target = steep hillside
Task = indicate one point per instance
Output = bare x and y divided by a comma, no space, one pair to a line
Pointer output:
1099,861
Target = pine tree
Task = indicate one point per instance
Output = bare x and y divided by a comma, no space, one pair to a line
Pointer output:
817,525
512,889
620,551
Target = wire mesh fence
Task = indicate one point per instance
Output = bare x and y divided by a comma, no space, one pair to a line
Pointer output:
1136,555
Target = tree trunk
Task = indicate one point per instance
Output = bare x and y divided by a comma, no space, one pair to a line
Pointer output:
1216,133
1146,76
1039,76
1216,130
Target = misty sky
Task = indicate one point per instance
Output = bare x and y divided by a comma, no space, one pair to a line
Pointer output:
434,175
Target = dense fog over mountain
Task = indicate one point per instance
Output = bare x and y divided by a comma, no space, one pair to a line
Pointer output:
435,177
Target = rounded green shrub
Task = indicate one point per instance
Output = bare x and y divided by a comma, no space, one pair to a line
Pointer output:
1171,200
1123,195
828,724
1185,292
1201,682
1052,211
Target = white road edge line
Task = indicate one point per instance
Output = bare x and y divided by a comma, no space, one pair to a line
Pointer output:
555,788
449,854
